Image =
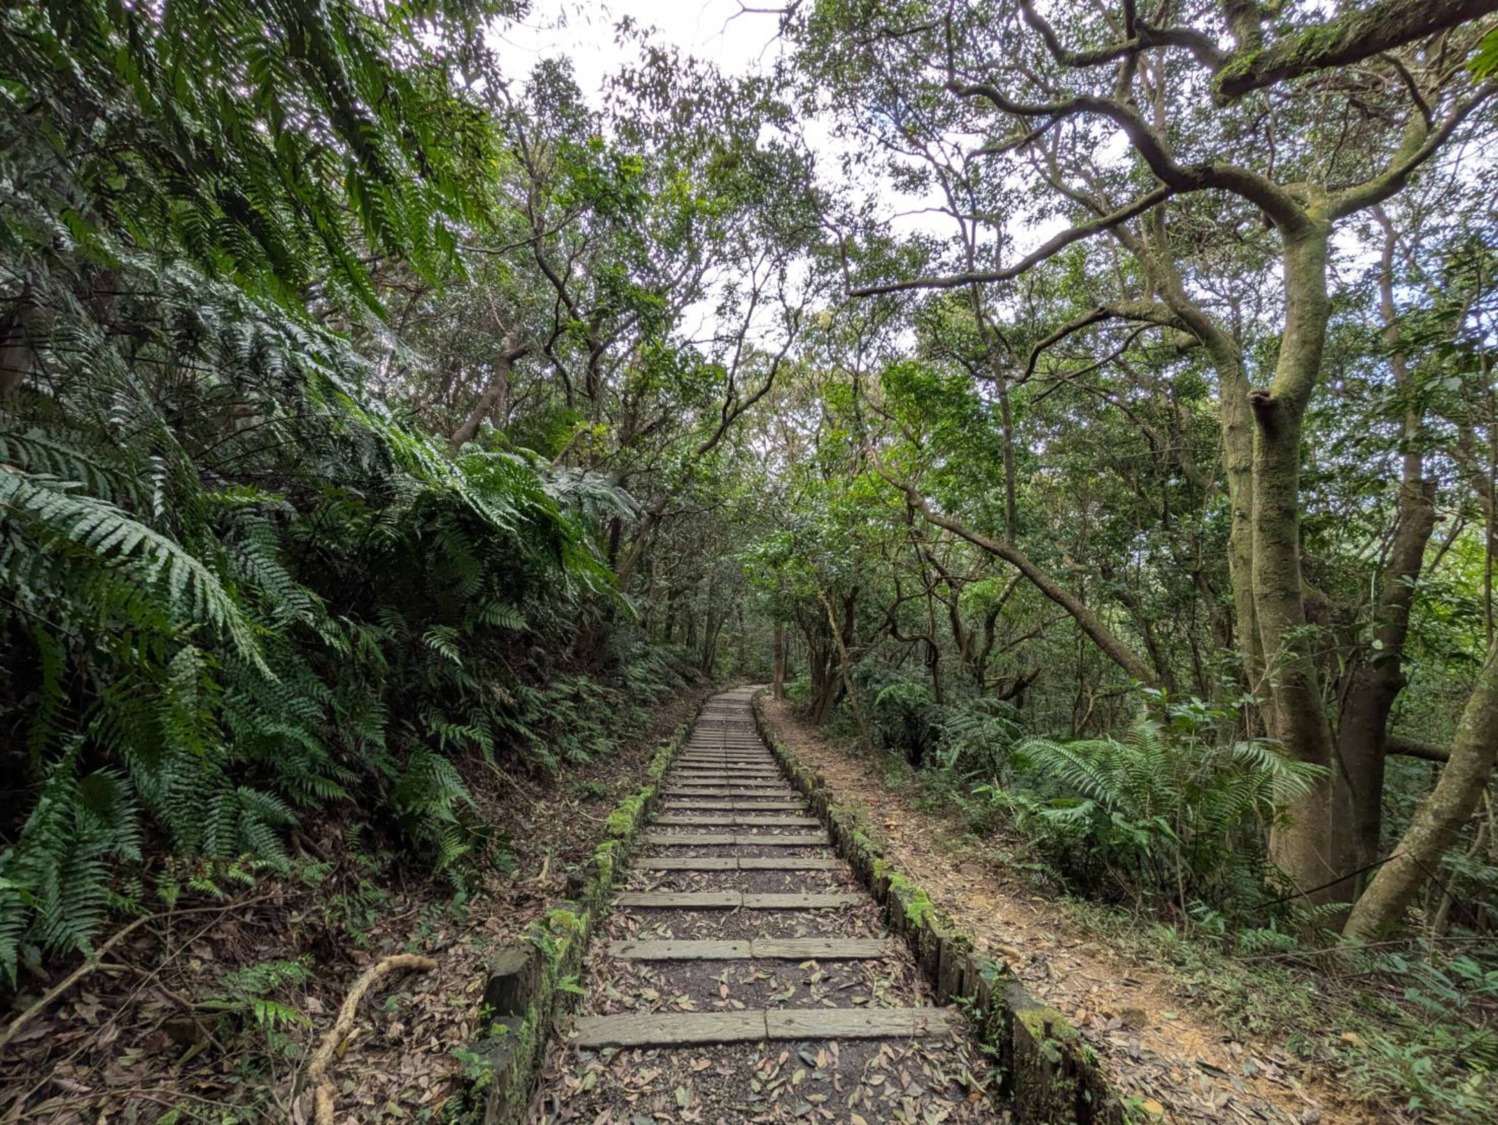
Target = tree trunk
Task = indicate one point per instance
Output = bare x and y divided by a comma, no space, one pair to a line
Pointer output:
777,675
16,352
493,401
824,681
1440,816
1375,679
710,645
1304,847
841,635
1237,424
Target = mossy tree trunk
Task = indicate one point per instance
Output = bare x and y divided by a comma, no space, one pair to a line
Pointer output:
1440,816
1375,672
1303,848
777,674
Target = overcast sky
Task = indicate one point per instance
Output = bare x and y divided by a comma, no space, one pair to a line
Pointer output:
716,30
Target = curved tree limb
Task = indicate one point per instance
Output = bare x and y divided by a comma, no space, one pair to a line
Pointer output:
1414,748
1420,145
1050,248
1352,37
1146,312
1279,204
1439,817
1141,37
1090,623
322,1058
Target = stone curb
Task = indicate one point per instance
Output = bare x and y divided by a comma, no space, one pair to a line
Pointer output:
526,991
1049,1075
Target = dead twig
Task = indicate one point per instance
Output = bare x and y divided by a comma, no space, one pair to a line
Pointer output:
317,1069
67,982
96,959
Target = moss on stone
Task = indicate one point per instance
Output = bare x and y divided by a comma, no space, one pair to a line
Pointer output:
917,904
627,815
1047,1023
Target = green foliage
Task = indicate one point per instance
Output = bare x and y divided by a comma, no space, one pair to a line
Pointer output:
902,715
251,991
237,590
1440,1022
264,142
1168,814
1484,61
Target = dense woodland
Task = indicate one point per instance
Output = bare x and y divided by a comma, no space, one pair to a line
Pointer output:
1094,406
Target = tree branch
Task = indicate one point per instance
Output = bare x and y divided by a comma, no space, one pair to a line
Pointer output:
1142,37
1148,312
1413,748
1050,248
1089,622
1259,190
1352,37
1420,145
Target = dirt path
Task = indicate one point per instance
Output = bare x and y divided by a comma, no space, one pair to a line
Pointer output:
743,975
1158,1044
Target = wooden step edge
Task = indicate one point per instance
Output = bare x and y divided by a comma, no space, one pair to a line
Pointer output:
735,900
725,839
738,863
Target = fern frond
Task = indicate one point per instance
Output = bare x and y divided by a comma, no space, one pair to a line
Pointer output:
96,533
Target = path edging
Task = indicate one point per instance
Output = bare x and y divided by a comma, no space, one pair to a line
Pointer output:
1049,1074
530,983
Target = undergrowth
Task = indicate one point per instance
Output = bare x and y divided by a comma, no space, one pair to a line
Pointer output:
1151,842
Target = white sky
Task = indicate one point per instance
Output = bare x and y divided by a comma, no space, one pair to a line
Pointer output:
731,34
720,32
583,30
739,38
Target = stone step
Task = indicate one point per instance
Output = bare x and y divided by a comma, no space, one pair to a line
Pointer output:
742,793
740,840
742,820
734,900
662,1029
781,949
680,804
737,863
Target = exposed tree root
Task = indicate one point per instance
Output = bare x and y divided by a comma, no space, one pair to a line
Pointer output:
317,1069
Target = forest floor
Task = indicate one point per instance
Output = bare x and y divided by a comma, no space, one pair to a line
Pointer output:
1158,1034
176,1017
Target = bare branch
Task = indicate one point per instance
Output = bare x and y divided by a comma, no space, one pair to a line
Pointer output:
1413,748
1087,620
1149,312
1421,144
1049,249
1264,193
1142,37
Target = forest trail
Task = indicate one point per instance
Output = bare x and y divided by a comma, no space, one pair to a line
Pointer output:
744,975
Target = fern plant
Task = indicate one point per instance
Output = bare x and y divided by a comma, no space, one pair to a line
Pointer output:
1164,815
236,592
